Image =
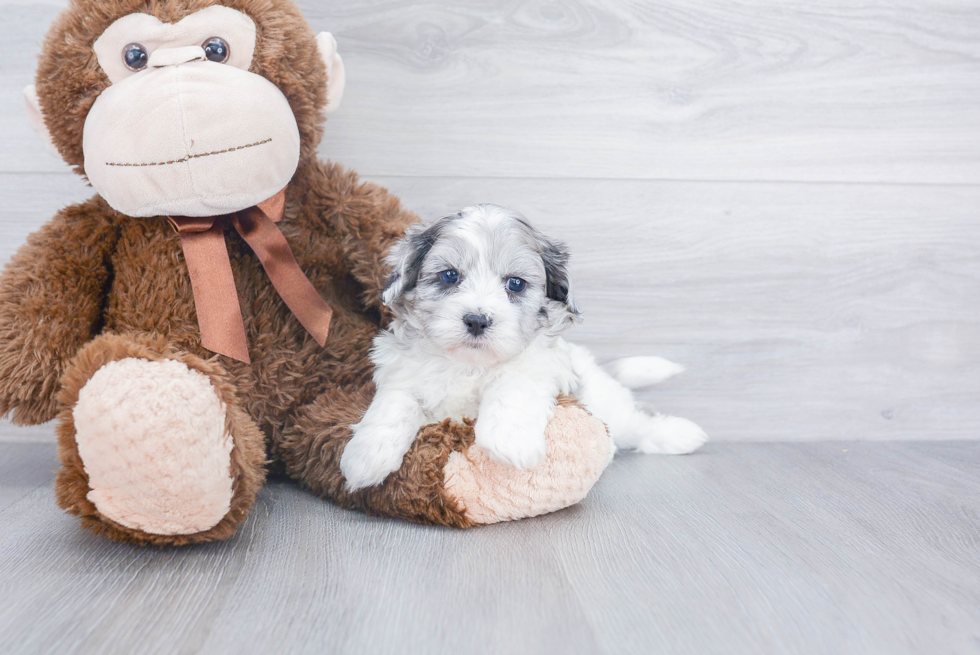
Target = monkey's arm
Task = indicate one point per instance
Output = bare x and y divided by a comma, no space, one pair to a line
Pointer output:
51,298
369,220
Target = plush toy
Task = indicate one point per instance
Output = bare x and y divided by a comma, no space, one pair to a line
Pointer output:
209,313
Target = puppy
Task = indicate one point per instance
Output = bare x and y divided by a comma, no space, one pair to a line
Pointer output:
480,300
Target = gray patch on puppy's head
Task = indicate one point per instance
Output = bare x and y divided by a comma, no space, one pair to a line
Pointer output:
408,254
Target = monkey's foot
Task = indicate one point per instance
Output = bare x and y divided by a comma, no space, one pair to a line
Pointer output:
147,447
578,451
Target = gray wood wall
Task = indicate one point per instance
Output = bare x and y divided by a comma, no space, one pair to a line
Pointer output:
782,195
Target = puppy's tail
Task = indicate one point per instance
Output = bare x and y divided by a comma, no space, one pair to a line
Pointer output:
638,372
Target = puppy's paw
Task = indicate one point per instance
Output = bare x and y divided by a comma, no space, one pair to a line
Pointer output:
369,458
511,442
670,435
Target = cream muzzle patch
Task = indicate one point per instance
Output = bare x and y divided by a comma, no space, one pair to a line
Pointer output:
180,114
182,132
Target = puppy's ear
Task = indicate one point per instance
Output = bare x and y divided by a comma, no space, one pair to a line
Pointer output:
562,310
406,258
559,286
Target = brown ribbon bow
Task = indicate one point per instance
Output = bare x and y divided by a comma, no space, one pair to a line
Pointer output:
219,316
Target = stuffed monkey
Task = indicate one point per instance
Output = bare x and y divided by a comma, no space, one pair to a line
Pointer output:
208,314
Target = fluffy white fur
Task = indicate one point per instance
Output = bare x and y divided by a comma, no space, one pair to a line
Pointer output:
430,366
639,372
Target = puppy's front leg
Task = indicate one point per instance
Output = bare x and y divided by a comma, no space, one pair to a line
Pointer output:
513,415
381,439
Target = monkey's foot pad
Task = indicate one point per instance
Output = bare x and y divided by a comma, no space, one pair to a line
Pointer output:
153,439
579,449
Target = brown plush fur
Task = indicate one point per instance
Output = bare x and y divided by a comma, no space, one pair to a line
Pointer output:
416,492
311,452
94,286
247,455
92,271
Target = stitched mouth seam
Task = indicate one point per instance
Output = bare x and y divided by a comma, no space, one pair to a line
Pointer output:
190,157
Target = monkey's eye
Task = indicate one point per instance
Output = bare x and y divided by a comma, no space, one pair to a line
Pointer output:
449,277
516,285
135,57
216,50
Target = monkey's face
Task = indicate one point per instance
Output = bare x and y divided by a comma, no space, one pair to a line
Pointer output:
184,128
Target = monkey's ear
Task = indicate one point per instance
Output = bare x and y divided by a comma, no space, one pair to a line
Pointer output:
37,119
336,79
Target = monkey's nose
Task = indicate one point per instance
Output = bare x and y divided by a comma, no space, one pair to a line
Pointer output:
175,56
476,324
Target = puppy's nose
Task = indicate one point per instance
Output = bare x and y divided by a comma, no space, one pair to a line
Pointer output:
476,324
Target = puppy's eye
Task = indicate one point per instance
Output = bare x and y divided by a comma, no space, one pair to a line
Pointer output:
449,277
135,57
216,50
516,285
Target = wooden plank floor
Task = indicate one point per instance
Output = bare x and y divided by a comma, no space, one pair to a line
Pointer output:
832,547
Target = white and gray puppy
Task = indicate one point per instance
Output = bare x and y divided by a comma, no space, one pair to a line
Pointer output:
480,299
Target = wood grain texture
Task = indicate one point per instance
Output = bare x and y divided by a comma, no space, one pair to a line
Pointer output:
705,89
743,548
22,30
803,311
